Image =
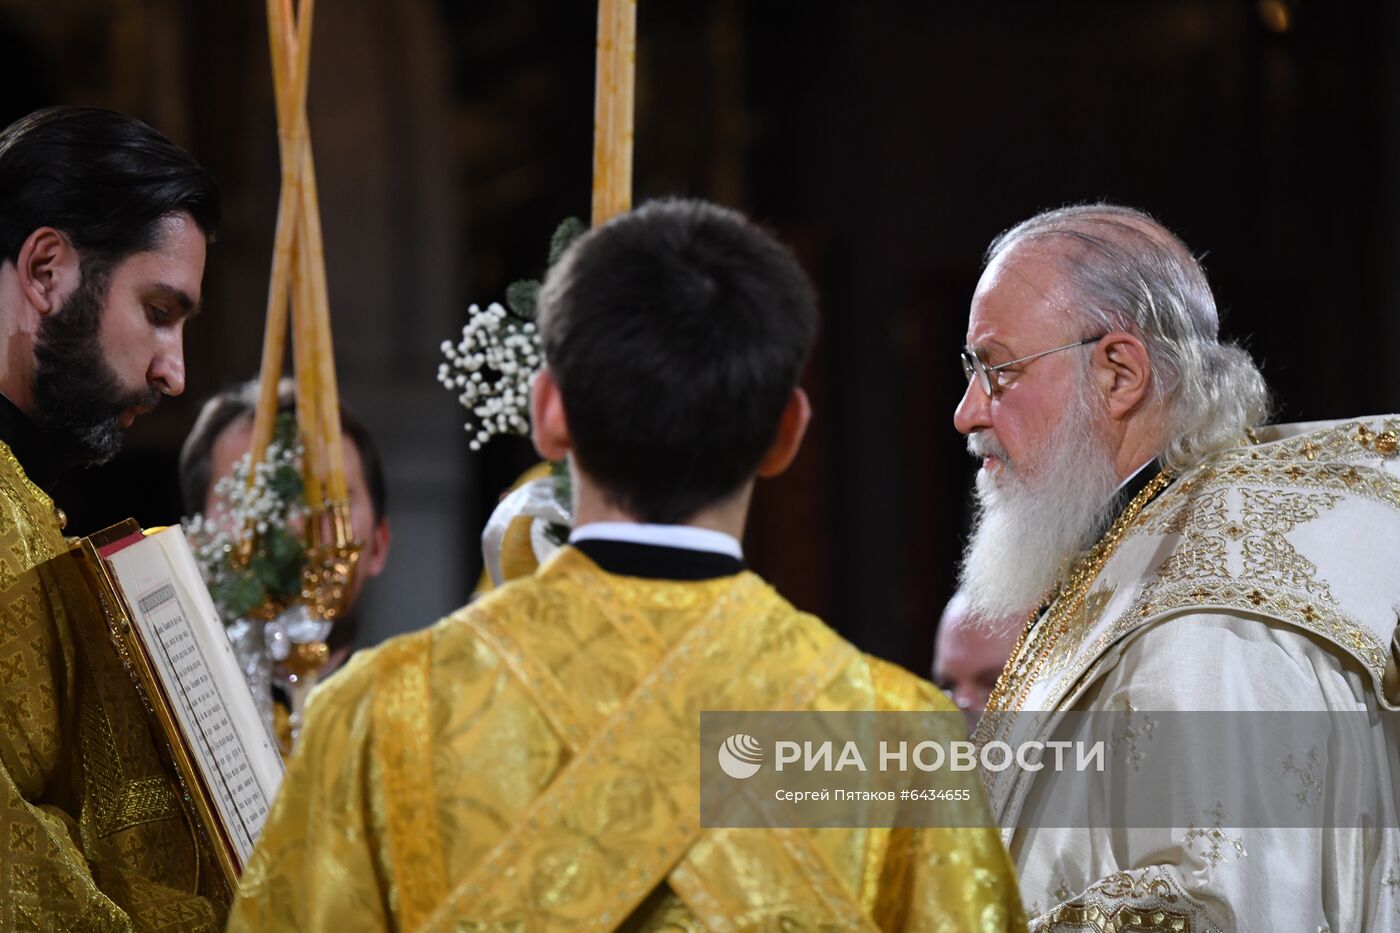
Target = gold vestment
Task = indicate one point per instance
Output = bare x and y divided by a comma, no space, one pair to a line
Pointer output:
531,763
92,833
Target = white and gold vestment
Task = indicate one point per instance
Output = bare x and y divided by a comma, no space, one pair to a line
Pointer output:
1267,578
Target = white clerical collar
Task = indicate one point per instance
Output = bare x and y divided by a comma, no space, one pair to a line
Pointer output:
1133,475
687,537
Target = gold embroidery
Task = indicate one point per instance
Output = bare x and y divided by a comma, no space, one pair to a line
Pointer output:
553,699
1164,598
117,802
322,862
410,805
1309,785
114,858
1338,442
1213,838
1124,884
1268,557
1038,640
1078,628
520,876
1231,518
1283,583
1119,919
835,900
1130,734
1140,901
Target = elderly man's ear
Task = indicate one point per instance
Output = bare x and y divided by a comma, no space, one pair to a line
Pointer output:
1122,372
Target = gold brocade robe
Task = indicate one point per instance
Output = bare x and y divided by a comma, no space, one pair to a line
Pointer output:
92,834
531,763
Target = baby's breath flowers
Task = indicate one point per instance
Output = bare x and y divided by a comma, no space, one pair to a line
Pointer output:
269,514
492,366
491,369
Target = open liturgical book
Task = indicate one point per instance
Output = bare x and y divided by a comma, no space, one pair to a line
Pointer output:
163,624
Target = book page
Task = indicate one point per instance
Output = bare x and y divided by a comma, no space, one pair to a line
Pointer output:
209,696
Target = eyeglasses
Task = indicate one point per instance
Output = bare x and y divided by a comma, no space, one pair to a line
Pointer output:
973,365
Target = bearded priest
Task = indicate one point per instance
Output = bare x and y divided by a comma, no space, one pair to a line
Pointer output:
1187,559
533,761
104,225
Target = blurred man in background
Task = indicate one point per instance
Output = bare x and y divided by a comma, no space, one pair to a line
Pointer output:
970,652
223,434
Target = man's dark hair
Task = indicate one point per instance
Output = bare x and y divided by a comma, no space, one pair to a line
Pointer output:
676,334
103,178
239,402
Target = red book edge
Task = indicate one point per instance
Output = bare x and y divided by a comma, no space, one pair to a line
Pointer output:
121,544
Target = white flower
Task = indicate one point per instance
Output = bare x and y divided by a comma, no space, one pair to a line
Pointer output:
242,510
491,368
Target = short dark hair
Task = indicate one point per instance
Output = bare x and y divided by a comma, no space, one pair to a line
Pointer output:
103,178
240,401
676,334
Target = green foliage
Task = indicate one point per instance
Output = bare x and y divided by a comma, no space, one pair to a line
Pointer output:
564,235
523,297
286,484
272,573
285,557
237,595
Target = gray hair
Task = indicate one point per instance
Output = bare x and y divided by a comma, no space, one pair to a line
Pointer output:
1131,273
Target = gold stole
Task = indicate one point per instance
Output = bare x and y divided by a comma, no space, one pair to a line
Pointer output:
622,816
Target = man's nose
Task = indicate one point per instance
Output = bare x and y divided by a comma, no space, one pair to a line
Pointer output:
974,412
168,368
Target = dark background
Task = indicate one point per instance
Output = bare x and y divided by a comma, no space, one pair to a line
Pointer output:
887,141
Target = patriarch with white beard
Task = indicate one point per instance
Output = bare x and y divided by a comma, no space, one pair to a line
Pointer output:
1032,521
1195,561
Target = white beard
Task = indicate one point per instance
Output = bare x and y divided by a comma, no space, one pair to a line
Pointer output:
1028,528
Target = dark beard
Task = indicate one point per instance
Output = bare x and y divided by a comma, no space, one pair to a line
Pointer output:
78,397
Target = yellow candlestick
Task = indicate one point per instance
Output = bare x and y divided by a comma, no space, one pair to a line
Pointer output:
329,468
308,400
613,108
290,74
320,322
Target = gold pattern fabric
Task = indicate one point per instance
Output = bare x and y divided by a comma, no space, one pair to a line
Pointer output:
92,832
1145,901
531,763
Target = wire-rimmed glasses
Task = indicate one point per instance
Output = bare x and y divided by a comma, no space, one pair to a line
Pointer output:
973,364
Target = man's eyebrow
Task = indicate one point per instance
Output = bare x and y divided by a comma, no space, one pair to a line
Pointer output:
178,297
986,346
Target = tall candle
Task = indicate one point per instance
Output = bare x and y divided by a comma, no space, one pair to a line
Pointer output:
290,74
613,108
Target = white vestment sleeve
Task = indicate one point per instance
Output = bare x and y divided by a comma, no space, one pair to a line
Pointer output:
1210,875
